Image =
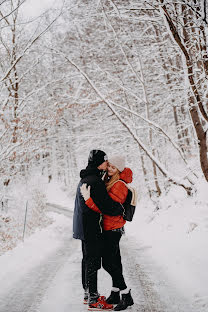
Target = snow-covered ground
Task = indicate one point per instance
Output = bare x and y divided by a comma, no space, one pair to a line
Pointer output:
164,256
176,236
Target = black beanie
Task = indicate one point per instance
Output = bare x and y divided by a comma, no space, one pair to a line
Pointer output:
97,157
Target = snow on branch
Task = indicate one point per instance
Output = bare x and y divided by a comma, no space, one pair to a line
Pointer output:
189,65
122,49
203,16
121,85
166,174
17,7
28,47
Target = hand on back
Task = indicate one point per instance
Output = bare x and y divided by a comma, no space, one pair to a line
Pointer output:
85,191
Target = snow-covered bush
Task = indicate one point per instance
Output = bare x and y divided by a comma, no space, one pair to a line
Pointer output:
23,195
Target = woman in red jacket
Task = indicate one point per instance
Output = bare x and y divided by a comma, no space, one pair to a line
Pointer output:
113,228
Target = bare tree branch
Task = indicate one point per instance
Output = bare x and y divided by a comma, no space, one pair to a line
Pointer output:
197,12
162,169
27,48
122,49
5,16
189,65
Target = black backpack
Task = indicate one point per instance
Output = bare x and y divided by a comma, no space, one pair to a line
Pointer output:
129,205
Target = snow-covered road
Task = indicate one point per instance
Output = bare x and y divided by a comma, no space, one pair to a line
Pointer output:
152,290
43,275
27,293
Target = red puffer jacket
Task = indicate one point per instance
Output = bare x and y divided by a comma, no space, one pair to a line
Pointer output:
118,193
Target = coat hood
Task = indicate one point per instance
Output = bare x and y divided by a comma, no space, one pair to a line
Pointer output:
90,170
126,175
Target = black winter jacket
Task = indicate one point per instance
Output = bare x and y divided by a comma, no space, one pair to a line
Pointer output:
86,222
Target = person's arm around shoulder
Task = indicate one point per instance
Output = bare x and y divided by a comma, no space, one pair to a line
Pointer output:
104,202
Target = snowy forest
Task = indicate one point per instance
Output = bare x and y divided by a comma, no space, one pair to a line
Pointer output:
127,77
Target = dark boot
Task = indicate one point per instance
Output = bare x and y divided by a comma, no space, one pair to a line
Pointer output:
125,302
114,297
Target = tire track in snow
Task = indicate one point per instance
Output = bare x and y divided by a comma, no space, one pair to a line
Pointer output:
26,294
143,293
151,289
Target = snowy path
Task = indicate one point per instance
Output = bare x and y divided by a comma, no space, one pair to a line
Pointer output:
43,275
27,293
152,291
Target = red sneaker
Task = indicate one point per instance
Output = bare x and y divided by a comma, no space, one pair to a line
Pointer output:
102,298
85,301
100,305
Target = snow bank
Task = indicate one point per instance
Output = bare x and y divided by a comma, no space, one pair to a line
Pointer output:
20,260
58,194
24,192
177,236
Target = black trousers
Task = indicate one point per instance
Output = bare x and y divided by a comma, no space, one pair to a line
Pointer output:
91,263
111,258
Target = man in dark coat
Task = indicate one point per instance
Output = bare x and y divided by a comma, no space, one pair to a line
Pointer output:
87,224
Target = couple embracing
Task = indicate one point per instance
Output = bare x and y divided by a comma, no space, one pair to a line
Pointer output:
98,222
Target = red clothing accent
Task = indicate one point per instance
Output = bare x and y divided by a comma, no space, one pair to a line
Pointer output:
126,175
90,203
118,193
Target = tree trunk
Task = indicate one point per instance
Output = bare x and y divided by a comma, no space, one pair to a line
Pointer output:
145,174
201,135
195,98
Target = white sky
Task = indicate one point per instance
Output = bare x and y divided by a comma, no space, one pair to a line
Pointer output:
36,7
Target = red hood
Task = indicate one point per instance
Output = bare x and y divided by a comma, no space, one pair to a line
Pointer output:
126,175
